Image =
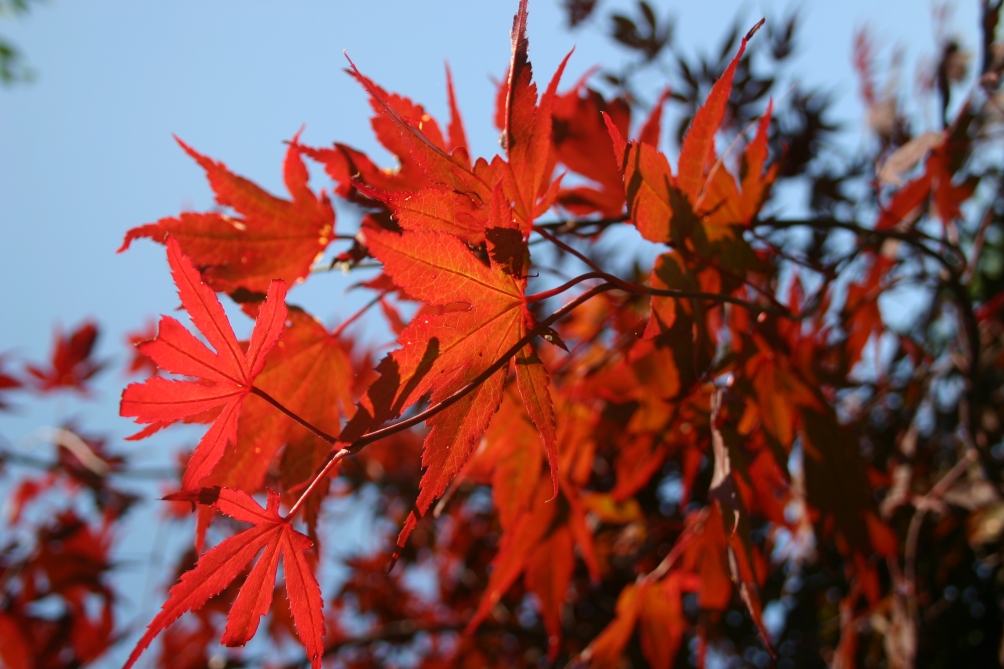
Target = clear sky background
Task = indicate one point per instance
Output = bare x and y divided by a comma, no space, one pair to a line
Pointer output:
86,150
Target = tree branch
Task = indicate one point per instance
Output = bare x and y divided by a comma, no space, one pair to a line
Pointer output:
376,435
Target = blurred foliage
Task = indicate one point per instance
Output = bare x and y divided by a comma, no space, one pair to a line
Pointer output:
13,68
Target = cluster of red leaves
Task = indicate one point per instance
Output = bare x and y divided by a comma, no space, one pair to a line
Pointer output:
700,363
56,575
70,566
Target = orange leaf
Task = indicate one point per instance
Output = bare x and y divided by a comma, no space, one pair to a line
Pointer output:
443,352
698,151
583,145
548,573
527,132
606,649
661,621
424,152
272,238
534,384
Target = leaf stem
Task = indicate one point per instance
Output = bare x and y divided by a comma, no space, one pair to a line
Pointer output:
640,289
565,247
537,297
335,459
312,428
354,317
612,283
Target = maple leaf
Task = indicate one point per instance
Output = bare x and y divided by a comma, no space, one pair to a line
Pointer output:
442,352
730,518
836,484
583,145
141,364
435,186
778,392
861,312
526,130
67,567
527,535
580,139
226,374
537,544
351,168
271,238
441,191
71,363
703,190
656,610
538,536
404,128
271,535
935,184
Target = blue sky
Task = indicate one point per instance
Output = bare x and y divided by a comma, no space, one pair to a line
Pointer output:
86,152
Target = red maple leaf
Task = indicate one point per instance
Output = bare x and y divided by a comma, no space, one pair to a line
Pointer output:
539,538
226,374
442,352
656,610
71,363
275,538
526,130
431,189
272,238
583,145
67,569
660,203
351,168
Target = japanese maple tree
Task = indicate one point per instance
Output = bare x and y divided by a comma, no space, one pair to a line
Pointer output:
579,456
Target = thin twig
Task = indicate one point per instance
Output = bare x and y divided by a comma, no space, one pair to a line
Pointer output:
354,317
312,428
913,533
639,289
540,230
913,237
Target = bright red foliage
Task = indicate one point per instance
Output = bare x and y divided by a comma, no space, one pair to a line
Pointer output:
728,428
271,535
271,239
227,373
71,365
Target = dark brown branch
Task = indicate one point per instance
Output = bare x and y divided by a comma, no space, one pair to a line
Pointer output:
914,237
640,289
540,230
573,225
